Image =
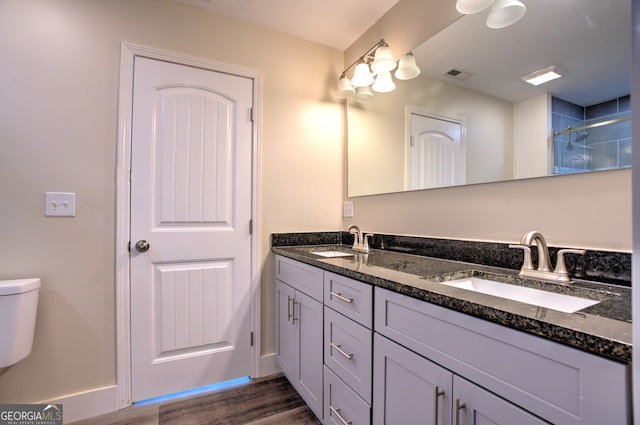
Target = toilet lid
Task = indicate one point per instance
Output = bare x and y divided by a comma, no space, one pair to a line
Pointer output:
18,286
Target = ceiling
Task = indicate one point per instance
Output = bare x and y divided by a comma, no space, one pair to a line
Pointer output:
589,39
333,23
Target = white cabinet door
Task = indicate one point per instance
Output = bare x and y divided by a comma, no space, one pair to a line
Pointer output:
299,343
307,314
407,388
286,333
475,406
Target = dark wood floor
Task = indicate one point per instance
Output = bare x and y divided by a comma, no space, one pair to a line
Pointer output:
271,401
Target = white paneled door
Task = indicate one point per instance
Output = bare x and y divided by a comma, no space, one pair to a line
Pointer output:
436,152
190,227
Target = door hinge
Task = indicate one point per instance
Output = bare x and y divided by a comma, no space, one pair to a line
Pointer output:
251,339
251,226
129,246
411,140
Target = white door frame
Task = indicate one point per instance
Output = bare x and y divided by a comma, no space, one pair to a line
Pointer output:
123,191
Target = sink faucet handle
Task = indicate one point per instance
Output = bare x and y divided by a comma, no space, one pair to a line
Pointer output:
561,267
526,263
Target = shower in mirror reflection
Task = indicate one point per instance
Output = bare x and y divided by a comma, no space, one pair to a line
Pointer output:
599,144
503,12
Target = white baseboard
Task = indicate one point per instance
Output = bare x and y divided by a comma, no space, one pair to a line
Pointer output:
268,365
87,404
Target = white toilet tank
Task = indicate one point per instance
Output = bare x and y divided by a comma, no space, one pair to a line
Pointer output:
18,307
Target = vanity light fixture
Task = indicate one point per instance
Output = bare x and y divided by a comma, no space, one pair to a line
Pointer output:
361,75
542,76
345,88
503,12
364,94
407,68
373,71
384,83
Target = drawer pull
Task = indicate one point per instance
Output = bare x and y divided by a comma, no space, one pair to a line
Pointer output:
458,405
341,298
341,351
437,392
337,413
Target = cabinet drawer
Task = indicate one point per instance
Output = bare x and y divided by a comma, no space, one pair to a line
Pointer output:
347,351
556,382
342,405
349,297
300,276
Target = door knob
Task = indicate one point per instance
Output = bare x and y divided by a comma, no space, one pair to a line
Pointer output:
142,246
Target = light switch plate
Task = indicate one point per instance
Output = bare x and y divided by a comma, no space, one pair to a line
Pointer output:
347,209
60,204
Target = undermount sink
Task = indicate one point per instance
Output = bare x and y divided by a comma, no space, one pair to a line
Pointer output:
332,254
552,300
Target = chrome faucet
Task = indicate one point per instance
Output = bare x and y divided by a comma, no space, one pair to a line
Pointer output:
360,242
543,271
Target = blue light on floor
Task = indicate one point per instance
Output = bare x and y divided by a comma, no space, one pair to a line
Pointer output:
195,391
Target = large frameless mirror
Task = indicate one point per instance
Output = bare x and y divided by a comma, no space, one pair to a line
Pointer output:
470,118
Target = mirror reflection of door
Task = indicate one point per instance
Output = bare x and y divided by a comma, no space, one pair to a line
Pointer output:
436,152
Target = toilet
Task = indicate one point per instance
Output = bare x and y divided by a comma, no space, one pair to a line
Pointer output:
18,307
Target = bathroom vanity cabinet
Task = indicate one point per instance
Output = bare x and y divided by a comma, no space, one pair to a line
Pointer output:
389,358
461,355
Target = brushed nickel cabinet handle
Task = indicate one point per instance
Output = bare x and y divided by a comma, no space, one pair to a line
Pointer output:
341,351
458,405
437,392
337,413
289,315
341,297
293,310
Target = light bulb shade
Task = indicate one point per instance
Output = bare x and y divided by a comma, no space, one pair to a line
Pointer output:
407,68
362,76
364,94
469,7
505,13
384,83
345,89
383,60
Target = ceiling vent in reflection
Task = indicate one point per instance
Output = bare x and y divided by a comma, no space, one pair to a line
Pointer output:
458,74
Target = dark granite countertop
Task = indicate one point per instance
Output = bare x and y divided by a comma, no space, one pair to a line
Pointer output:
604,329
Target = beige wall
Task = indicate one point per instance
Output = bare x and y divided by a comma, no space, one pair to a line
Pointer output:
58,123
590,211
531,130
